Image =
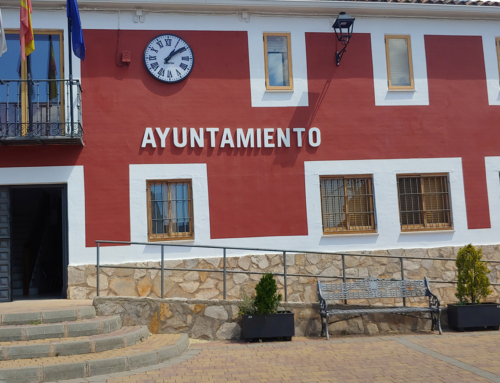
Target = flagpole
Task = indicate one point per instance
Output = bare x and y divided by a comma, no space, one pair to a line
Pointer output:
30,93
70,74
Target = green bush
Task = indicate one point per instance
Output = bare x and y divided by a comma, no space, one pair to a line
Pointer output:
473,283
266,299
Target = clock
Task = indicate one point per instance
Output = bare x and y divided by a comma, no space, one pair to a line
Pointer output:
168,58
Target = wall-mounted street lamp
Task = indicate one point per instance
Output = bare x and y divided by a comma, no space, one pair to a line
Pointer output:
343,29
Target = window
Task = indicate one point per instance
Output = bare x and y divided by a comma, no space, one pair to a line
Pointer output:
278,61
399,62
347,204
46,97
424,202
170,210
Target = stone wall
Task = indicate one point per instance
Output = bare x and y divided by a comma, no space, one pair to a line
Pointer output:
219,319
209,285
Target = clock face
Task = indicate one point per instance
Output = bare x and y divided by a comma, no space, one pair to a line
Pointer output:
168,58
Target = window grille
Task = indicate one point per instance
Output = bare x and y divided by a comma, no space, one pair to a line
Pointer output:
424,202
347,204
170,210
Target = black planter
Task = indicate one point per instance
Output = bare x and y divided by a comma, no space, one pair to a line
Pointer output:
280,325
468,316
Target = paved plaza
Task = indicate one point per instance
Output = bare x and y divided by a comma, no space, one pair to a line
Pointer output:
452,357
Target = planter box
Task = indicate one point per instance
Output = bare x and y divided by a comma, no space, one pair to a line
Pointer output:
280,325
467,316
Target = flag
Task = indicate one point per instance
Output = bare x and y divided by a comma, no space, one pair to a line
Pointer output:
3,41
76,29
52,71
26,33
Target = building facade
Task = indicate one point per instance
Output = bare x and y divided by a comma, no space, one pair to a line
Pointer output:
230,124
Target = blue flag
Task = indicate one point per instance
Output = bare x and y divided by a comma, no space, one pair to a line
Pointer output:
76,29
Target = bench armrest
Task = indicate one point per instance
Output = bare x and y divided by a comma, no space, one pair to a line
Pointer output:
323,304
433,299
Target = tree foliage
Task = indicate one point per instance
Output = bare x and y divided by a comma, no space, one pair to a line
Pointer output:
266,299
473,283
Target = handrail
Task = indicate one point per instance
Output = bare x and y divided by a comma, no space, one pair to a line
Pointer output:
224,270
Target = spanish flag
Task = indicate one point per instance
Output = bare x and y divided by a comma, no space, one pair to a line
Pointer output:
26,34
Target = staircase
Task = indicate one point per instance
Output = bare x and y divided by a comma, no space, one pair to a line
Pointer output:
75,344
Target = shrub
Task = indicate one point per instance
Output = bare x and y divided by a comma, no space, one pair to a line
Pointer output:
248,305
266,298
473,283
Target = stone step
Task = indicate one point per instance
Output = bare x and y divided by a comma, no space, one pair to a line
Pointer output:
156,349
125,337
86,327
55,316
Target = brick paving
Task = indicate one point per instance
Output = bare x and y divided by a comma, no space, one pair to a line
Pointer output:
347,359
154,342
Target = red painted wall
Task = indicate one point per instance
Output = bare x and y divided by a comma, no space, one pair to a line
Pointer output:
261,192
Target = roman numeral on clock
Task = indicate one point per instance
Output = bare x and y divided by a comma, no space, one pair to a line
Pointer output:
183,66
178,73
161,72
185,58
154,50
169,74
154,66
160,44
168,42
152,58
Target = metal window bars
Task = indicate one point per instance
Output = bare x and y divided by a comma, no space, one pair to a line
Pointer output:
283,253
424,202
40,110
347,204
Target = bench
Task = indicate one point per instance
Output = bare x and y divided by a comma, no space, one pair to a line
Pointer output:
372,288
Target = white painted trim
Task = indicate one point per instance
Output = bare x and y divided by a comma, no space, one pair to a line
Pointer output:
492,165
265,98
140,174
384,96
280,7
72,176
386,201
491,68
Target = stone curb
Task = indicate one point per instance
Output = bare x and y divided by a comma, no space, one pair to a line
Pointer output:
60,330
47,316
79,347
92,368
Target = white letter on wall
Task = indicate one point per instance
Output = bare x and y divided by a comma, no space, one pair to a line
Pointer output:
226,138
259,139
245,140
299,135
212,132
148,138
318,137
283,138
163,136
184,138
196,137
268,136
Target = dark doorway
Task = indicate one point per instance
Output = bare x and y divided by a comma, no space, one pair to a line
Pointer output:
38,242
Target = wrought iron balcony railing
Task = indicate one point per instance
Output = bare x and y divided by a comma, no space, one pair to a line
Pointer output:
42,111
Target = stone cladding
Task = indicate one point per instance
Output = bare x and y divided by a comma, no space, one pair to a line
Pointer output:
82,280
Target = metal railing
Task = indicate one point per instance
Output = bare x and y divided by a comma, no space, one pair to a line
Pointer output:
284,253
40,110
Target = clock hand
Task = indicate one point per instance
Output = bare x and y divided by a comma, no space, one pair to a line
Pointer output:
174,52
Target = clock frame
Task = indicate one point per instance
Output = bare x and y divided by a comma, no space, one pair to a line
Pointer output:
164,66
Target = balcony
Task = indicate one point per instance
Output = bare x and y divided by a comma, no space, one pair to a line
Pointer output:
40,112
